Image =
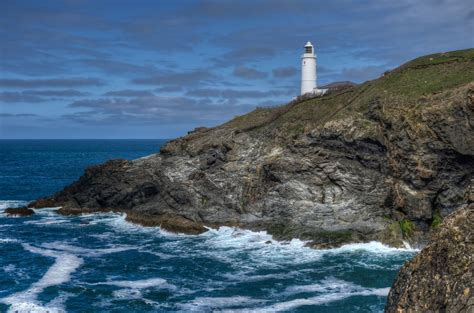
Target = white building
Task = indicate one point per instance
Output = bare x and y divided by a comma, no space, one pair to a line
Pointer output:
308,71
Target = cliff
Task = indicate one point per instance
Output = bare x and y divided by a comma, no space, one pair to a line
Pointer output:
440,278
386,160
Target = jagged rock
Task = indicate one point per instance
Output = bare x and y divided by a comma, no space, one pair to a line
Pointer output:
21,211
346,167
441,277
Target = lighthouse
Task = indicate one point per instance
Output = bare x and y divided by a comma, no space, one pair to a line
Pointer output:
308,69
308,72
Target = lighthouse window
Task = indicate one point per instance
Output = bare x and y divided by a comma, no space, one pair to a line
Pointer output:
308,49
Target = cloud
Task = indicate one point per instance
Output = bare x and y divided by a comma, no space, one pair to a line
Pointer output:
235,93
11,97
156,109
183,78
169,88
17,115
52,82
129,93
243,55
38,95
118,67
288,71
249,73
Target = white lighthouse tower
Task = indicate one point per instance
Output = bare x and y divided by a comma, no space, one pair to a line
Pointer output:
308,71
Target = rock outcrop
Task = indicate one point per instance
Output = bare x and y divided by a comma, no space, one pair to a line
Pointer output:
441,277
385,160
21,211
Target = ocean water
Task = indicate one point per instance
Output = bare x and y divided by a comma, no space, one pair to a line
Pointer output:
101,263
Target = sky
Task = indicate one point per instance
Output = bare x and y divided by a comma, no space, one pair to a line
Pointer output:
77,69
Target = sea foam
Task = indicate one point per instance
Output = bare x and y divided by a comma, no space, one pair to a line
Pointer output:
58,273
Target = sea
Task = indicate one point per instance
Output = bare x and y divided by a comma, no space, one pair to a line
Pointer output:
101,263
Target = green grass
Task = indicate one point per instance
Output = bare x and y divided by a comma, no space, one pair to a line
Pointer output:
407,228
399,93
437,219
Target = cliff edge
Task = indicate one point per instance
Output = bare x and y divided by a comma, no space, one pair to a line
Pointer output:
386,160
441,277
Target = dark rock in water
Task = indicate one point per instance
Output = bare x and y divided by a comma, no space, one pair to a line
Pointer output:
441,277
43,203
173,223
385,160
22,211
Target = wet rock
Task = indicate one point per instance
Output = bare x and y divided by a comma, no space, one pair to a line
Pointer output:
42,203
169,222
22,211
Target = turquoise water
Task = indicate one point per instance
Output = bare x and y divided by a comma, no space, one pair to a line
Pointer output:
101,263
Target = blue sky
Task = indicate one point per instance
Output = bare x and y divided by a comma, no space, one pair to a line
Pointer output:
157,69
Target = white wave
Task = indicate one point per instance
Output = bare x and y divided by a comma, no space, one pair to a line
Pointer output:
329,290
226,243
128,294
246,240
372,247
8,240
118,222
60,272
332,285
140,284
4,204
30,307
9,268
47,221
62,246
323,299
201,304
132,289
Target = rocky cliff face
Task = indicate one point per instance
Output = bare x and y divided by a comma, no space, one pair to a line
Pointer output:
441,277
386,160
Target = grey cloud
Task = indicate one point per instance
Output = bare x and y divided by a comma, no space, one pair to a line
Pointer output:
249,73
242,55
53,82
11,97
288,71
157,109
169,88
118,67
130,93
470,15
56,93
194,77
38,95
17,115
235,93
